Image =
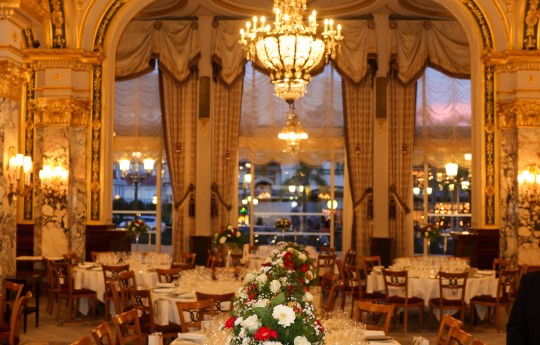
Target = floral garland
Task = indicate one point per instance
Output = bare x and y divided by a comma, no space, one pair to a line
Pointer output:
282,223
429,231
228,234
137,227
275,307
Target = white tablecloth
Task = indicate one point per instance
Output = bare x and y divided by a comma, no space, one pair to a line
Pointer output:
428,288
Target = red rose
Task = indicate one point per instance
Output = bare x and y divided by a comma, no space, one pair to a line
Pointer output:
319,325
304,268
287,256
230,322
265,333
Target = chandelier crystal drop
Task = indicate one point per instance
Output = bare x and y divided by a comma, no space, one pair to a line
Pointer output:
293,132
291,49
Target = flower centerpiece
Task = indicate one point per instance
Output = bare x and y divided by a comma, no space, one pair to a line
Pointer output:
274,306
135,228
228,238
282,224
429,231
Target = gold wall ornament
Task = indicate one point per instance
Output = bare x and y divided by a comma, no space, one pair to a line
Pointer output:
62,111
530,40
519,113
509,61
13,79
74,59
58,24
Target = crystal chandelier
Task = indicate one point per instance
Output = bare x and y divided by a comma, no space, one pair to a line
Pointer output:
293,132
291,50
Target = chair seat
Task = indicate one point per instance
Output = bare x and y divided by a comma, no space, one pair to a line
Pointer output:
401,300
489,299
78,292
169,328
373,295
446,302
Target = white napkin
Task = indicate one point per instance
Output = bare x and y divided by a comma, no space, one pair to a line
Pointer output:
372,333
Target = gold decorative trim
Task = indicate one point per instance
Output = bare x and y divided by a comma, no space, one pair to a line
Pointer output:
74,59
95,176
13,79
14,17
530,40
28,212
519,113
61,111
58,23
509,61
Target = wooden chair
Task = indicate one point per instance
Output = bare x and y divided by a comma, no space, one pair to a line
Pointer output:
12,336
211,261
71,258
83,341
506,289
354,287
236,259
125,281
369,262
350,258
325,264
112,286
110,273
451,294
376,314
11,292
52,287
330,304
142,302
327,250
128,328
63,274
187,261
102,334
458,336
399,281
168,275
501,264
196,311
447,323
222,302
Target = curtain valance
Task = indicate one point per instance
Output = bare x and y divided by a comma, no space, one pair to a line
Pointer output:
228,54
175,43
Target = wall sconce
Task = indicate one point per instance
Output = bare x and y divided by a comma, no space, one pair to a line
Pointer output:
530,175
19,167
54,180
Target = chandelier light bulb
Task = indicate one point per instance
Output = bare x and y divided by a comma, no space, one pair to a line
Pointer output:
293,132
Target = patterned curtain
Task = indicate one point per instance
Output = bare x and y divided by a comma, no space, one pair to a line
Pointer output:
179,100
401,115
358,104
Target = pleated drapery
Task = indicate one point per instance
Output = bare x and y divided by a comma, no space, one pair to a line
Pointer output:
176,47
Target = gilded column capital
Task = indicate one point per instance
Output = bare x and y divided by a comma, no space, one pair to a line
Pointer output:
61,111
510,61
74,59
13,80
519,113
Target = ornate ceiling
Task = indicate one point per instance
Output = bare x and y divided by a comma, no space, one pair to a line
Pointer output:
428,9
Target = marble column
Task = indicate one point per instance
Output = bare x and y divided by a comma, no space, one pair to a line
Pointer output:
509,193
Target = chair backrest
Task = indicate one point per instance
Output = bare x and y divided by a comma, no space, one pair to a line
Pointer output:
111,286
196,311
11,292
125,281
189,258
507,285
211,261
330,304
396,281
378,315
113,271
71,258
325,264
61,273
16,318
327,250
353,280
447,323
102,334
128,328
369,262
501,264
457,336
222,302
236,259
83,341
168,275
452,286
350,257
142,301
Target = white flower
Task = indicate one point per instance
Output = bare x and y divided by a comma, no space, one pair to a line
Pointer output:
252,323
301,340
238,321
278,262
261,303
238,234
275,286
223,240
272,343
284,314
250,276
308,297
265,269
262,278
302,257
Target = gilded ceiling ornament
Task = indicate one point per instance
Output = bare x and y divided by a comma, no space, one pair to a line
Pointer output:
531,25
12,81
